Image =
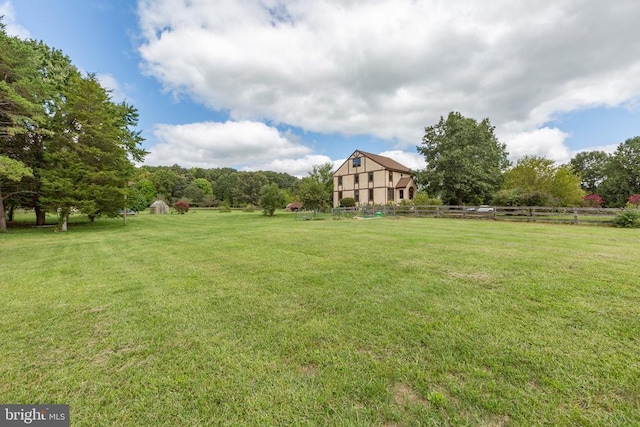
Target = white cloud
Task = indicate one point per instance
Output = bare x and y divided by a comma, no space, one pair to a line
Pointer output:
9,20
413,161
544,142
388,68
245,145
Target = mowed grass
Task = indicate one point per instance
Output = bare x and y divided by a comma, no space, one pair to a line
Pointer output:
239,319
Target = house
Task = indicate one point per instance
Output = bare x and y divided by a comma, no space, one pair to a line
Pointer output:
371,178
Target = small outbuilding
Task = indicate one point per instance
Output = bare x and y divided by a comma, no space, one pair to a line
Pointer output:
294,207
159,207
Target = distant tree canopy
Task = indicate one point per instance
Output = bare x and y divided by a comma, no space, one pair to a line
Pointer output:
211,187
64,127
615,176
465,160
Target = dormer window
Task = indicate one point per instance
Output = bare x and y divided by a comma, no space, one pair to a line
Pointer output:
356,162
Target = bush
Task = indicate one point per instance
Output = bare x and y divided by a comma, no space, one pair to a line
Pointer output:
249,208
225,208
592,201
347,202
627,219
506,198
181,206
634,199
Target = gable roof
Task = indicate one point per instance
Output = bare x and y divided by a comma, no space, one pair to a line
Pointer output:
385,162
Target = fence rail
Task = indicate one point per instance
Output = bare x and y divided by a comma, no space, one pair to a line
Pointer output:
569,215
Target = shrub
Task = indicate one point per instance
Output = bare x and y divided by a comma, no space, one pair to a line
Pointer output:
249,208
634,199
627,219
225,208
423,199
537,198
181,206
592,201
347,202
506,198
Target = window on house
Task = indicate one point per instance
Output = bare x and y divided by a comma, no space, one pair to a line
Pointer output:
370,176
371,195
390,194
401,194
356,179
339,195
356,196
390,176
356,162
340,180
411,193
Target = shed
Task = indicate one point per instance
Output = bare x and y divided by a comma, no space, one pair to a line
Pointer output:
159,207
294,207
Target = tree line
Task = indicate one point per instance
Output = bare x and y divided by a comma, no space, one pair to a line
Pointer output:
466,164
229,187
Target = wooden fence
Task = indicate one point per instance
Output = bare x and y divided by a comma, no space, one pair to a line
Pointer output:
567,215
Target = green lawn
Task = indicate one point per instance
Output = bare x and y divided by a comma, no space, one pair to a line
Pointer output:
239,319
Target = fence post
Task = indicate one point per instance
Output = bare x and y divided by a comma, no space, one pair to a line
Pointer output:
533,214
575,215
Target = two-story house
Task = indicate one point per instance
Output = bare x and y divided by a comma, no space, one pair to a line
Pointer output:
371,178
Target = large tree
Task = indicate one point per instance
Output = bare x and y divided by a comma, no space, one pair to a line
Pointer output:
465,160
88,156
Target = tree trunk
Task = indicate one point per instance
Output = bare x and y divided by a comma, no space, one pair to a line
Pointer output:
63,219
3,222
40,214
459,197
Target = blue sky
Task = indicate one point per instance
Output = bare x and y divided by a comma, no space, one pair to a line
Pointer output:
283,85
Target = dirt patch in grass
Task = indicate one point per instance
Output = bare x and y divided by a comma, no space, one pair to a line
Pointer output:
403,394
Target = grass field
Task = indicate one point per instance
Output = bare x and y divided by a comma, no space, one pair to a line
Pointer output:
239,319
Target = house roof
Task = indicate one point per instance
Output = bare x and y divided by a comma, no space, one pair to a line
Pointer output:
385,162
403,182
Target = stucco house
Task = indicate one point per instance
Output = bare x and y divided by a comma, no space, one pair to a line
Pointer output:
371,178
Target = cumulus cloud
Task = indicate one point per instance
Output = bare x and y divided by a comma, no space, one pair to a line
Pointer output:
9,20
246,145
388,68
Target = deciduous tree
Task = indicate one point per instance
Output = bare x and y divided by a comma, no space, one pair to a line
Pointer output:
539,181
465,160
271,198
